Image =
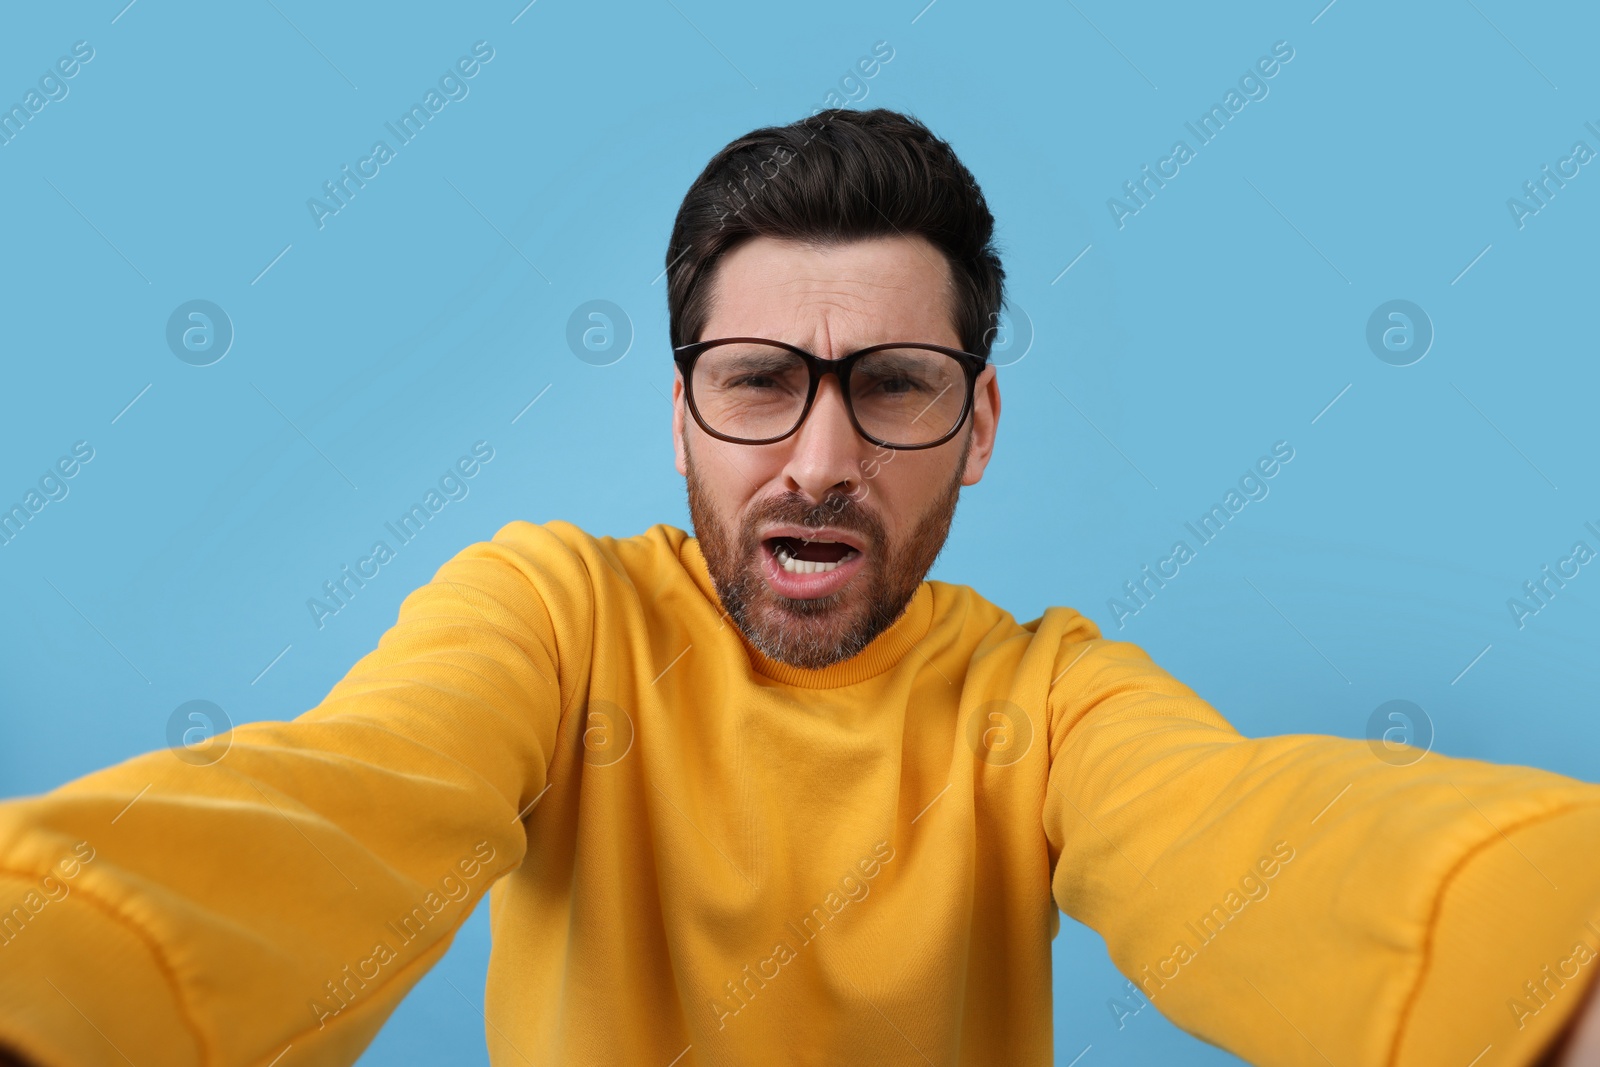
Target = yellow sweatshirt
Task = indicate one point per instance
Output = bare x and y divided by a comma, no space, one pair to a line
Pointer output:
700,856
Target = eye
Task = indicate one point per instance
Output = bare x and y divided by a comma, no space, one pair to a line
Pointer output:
891,382
753,373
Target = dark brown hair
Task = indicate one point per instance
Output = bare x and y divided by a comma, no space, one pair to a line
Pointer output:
840,175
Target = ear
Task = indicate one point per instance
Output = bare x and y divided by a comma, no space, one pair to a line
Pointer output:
985,422
678,446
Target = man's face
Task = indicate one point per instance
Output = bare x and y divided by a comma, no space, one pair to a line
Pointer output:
818,542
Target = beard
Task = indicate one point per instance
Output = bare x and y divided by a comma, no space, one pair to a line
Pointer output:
819,632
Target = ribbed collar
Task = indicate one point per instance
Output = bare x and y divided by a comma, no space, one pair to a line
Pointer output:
886,650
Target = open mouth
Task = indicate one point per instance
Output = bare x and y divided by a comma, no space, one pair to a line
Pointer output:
803,556
812,562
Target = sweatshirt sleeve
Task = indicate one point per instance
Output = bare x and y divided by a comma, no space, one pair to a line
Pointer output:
1306,899
273,906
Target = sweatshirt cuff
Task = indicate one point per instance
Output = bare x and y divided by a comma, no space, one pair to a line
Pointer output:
1514,948
69,971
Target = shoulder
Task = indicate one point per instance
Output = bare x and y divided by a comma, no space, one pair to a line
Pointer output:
1035,651
1059,624
1062,654
559,544
554,580
560,562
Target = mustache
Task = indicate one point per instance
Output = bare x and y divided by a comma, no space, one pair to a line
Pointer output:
837,510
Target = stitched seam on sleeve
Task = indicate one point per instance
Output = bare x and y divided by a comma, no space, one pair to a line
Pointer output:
1448,883
207,1054
153,946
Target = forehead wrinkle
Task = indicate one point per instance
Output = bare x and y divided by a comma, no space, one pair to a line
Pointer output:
816,322
817,298
830,298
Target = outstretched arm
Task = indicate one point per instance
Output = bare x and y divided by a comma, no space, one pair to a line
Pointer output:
285,897
1298,900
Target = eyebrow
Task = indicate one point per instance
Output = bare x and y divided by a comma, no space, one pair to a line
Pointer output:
847,350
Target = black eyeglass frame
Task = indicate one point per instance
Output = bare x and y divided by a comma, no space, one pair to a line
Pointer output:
686,355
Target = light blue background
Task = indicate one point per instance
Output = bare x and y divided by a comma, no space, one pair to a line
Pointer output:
1223,317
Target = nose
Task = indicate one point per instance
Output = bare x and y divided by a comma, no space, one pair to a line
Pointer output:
825,453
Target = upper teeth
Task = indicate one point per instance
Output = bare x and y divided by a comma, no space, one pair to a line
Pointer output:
807,566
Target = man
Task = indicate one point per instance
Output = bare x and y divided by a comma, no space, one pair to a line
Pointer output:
767,795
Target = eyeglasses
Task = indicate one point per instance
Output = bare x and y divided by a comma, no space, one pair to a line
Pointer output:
754,391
